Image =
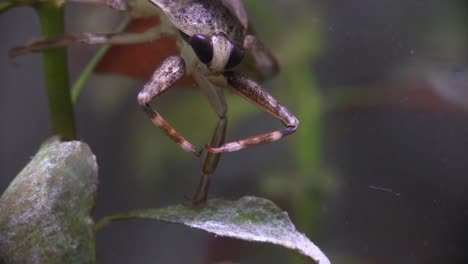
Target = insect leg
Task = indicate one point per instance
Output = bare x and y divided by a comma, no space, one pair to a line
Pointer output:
210,162
40,44
121,5
237,8
172,69
253,92
264,59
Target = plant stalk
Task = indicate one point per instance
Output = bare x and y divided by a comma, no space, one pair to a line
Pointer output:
51,18
83,78
7,5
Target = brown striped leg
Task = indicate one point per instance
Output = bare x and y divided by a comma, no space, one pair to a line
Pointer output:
121,5
210,162
171,69
253,92
40,44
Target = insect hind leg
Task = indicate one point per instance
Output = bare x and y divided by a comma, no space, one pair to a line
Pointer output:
210,162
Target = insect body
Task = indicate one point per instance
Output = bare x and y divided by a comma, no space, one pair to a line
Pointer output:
213,37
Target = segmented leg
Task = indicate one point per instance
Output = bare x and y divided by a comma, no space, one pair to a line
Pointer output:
257,95
40,44
210,162
171,70
121,5
237,8
264,59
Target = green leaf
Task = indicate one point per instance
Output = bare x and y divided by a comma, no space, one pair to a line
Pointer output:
45,212
250,218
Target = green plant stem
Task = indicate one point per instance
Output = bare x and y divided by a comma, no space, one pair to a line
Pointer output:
56,72
110,219
88,70
86,73
7,5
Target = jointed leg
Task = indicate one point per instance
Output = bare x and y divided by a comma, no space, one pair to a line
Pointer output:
37,45
264,59
254,93
121,5
210,162
237,8
171,70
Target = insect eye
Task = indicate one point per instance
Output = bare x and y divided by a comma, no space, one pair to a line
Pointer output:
203,47
235,57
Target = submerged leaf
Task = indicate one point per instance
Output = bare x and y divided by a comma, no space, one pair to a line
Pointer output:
44,213
250,218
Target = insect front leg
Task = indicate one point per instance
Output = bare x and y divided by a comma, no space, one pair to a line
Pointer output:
264,59
171,70
253,92
210,162
40,44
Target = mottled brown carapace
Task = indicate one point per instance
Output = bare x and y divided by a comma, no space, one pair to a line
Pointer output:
202,41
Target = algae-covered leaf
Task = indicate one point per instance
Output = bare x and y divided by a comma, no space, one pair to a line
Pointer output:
45,212
250,218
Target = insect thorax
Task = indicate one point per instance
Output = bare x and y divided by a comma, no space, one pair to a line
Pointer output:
205,17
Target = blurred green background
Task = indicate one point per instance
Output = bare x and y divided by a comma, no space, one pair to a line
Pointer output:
376,172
